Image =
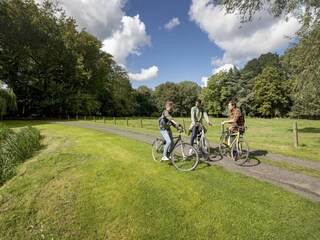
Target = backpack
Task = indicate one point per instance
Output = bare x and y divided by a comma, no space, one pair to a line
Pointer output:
164,123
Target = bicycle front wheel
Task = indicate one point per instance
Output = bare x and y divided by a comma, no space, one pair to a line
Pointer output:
223,145
157,150
240,152
205,145
185,157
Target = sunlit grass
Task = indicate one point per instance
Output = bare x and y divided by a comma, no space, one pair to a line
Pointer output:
270,135
87,184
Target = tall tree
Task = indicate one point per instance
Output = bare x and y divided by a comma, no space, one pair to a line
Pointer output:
7,101
302,63
269,94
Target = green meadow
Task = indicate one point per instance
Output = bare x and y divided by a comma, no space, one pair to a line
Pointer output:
264,135
86,184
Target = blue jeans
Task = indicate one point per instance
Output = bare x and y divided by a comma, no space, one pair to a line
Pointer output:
167,135
194,134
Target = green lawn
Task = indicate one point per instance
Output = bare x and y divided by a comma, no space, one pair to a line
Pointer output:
86,184
266,135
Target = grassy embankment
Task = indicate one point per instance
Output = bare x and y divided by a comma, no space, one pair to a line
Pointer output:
86,184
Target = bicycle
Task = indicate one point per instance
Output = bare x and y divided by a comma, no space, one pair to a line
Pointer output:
238,149
184,157
201,142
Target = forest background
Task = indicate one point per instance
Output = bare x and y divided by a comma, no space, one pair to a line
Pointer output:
48,68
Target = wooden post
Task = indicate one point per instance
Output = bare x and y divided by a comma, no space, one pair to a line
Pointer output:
114,119
295,134
184,126
127,121
77,117
85,117
104,120
68,117
141,123
94,118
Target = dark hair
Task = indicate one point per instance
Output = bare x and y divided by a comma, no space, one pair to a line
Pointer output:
233,103
198,100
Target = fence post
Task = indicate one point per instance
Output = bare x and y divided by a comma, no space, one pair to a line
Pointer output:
77,117
295,134
85,117
94,118
68,117
104,119
184,126
127,121
114,119
141,123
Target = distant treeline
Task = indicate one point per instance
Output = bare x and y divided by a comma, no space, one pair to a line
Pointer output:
52,69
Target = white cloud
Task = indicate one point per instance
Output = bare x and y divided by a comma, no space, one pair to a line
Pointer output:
204,80
225,67
145,74
127,40
241,42
172,24
99,17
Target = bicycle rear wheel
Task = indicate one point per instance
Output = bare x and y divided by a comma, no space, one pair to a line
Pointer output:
185,157
157,149
240,154
223,145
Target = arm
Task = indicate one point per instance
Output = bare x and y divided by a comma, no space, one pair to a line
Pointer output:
192,115
206,117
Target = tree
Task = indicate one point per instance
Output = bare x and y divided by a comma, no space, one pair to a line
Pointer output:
269,97
302,63
7,101
215,95
306,11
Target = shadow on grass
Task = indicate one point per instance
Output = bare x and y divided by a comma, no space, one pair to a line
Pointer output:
253,158
307,130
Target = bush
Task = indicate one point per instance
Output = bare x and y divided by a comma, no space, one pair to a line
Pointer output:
16,147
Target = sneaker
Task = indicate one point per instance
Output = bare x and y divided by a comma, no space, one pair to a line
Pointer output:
164,158
191,152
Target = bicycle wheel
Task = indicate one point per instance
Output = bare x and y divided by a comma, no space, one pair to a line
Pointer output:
185,157
205,145
240,154
223,145
157,149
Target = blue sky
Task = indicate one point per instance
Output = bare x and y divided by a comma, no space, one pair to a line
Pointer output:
177,40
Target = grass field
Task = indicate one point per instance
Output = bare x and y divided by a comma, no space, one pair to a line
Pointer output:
265,135
86,184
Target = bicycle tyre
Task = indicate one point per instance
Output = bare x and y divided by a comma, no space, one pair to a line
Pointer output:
241,154
223,145
157,149
205,146
184,157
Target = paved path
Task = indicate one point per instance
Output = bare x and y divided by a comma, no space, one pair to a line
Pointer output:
304,185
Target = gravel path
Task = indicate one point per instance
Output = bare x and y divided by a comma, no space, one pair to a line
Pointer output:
299,183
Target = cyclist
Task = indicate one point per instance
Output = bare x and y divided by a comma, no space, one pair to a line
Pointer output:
236,119
165,121
198,112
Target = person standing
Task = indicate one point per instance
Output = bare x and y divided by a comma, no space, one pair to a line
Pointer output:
198,112
165,121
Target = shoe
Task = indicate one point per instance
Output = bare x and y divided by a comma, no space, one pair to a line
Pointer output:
164,158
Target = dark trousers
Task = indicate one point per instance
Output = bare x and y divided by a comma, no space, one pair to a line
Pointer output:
194,134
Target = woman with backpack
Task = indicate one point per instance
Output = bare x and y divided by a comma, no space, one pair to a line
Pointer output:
165,121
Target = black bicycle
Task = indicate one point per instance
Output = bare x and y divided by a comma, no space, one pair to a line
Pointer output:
184,157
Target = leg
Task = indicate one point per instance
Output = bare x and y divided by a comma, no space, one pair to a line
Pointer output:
166,136
194,134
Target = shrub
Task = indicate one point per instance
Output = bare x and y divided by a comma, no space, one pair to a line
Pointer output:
16,147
